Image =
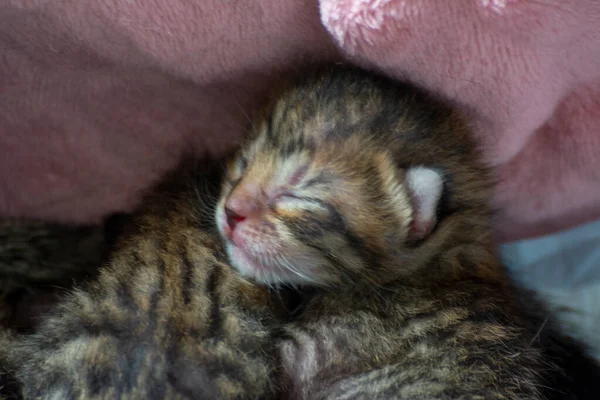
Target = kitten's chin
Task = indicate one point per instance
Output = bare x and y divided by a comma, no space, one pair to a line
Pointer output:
265,274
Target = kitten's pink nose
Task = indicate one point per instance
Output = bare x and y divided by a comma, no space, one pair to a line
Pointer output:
233,218
244,202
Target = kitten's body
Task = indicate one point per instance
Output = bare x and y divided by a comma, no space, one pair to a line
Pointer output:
167,318
414,303
411,340
36,252
39,260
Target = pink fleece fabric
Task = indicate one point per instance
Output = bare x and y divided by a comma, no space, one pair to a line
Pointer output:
99,97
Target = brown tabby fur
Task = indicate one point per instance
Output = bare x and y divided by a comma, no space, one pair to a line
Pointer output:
392,318
166,319
39,259
36,252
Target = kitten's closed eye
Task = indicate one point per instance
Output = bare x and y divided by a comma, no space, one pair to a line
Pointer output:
291,203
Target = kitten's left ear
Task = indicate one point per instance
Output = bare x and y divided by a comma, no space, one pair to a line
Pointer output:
425,187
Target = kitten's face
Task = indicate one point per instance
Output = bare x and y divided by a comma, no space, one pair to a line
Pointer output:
300,209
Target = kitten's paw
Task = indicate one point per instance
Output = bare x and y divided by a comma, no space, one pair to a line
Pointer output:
300,359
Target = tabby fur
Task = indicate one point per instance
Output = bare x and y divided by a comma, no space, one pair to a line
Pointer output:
167,318
319,197
389,314
38,252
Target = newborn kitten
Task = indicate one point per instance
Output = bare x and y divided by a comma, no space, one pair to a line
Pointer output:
166,318
37,252
373,193
40,259
354,185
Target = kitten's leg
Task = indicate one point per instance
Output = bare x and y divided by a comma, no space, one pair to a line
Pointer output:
434,352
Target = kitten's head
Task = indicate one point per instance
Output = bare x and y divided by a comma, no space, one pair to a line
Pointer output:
341,180
301,208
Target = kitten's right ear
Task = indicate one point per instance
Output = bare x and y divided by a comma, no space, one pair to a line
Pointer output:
425,187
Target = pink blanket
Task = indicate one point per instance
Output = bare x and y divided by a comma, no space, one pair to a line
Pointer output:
99,97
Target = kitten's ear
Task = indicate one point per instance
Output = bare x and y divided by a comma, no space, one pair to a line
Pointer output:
425,187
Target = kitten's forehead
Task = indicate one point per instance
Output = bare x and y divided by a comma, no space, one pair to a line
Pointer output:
296,122
290,136
312,142
289,143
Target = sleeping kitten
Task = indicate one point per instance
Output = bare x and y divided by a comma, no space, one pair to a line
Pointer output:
353,185
39,259
373,193
37,252
165,319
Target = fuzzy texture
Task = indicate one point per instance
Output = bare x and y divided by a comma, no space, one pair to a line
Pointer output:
38,260
99,98
416,316
331,192
34,252
166,318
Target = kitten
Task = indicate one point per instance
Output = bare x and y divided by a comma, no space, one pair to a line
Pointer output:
39,259
37,252
374,194
166,318
361,188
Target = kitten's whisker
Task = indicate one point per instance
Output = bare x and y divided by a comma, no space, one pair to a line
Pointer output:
243,112
288,265
539,331
205,208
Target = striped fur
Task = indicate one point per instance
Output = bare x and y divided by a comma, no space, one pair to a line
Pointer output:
36,252
40,259
166,319
324,175
391,317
